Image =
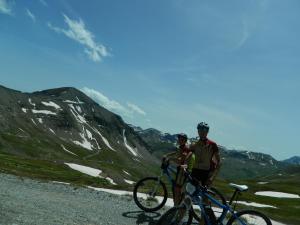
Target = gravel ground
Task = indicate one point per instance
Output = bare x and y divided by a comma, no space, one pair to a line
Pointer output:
24,201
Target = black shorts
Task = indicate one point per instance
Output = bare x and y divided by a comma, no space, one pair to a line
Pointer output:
200,175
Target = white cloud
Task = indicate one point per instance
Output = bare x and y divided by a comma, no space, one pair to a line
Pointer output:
136,108
245,34
5,7
43,2
105,101
30,15
78,32
128,111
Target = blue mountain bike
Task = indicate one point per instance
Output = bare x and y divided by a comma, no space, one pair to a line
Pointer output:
200,196
150,193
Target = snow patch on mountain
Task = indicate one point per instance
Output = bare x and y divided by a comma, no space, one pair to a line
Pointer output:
254,204
110,180
78,101
169,203
64,148
126,173
89,171
21,130
52,131
132,150
276,194
31,103
103,138
129,181
85,143
90,136
85,169
78,117
69,101
263,182
74,102
82,120
52,104
33,122
78,108
47,112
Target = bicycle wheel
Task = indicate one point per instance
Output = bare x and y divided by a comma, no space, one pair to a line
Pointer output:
249,217
217,210
174,216
150,194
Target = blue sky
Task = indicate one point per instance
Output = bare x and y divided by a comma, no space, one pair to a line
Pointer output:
167,64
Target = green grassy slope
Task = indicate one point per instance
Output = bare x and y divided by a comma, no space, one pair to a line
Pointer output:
287,210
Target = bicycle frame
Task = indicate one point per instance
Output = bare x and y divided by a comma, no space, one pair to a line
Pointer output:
167,171
201,192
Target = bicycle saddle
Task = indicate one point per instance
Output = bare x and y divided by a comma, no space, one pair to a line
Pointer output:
241,188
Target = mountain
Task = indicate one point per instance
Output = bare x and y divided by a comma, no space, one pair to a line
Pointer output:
42,131
293,160
64,125
241,164
159,143
236,164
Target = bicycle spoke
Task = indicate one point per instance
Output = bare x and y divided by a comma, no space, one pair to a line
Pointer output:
150,194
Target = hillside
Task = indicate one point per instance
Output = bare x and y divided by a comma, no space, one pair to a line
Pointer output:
42,131
64,125
293,160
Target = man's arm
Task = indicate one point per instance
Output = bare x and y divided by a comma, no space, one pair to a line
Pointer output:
216,160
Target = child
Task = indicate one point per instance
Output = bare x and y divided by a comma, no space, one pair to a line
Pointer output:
184,158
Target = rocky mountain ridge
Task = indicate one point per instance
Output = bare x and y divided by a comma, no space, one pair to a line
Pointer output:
236,164
295,160
65,125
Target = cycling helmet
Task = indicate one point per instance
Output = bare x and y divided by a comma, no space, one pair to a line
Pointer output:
182,135
203,125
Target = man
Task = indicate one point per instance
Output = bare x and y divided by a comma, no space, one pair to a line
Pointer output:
183,158
207,157
207,164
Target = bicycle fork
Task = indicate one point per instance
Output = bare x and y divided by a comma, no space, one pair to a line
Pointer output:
157,185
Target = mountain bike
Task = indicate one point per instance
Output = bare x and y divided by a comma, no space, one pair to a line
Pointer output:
150,193
200,195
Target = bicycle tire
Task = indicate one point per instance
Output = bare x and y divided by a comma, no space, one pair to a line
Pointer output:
137,200
249,214
218,214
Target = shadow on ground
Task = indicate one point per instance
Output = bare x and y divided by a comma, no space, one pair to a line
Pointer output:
145,218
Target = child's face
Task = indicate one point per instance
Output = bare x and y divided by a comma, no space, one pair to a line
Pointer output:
181,141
